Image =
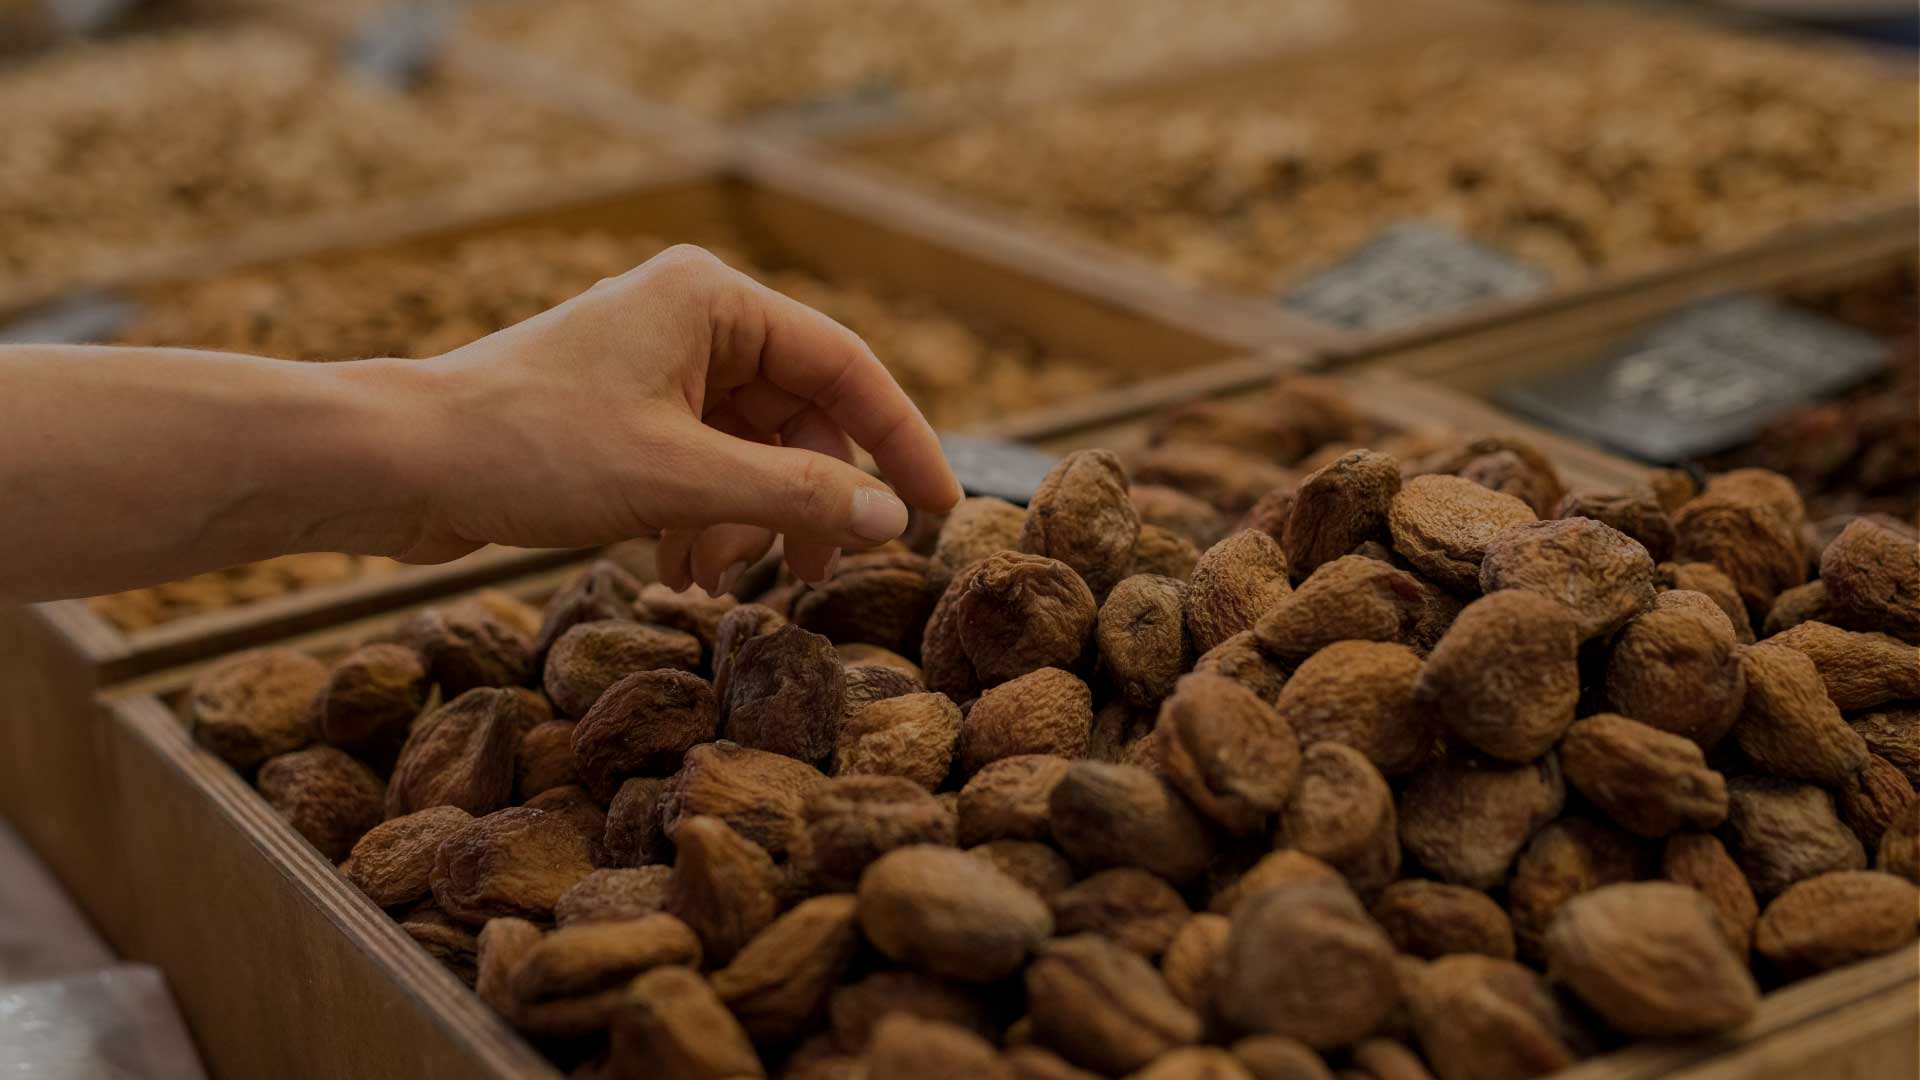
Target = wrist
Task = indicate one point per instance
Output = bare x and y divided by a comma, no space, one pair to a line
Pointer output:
379,430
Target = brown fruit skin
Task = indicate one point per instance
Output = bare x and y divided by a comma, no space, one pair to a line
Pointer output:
1003,617
1466,821
644,723
739,625
1233,584
1430,919
1505,464
1873,579
1565,858
1678,671
851,821
393,862
1227,751
1749,541
724,886
1361,694
1239,658
1106,815
778,984
1695,603
758,794
1649,782
1894,734
975,528
1129,907
1485,1018
1048,711
1780,832
1836,919
1081,515
1874,797
1010,799
1269,514
944,912
1276,1057
328,796
1699,860
588,959
460,754
1649,957
1442,524
602,591
1506,676
614,895
671,1026
634,833
369,698
1338,506
1802,603
593,656
1029,862
1179,513
784,695
1706,579
1274,869
1341,812
514,862
1602,575
1788,727
455,946
859,656
909,1048
466,646
855,1009
1103,1007
1352,598
1859,670
1192,960
1763,487
544,759
694,611
253,705
1142,636
1635,513
911,736
880,598
1304,960
1899,852
1164,553
1194,1063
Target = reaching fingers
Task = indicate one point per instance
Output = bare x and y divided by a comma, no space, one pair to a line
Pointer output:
722,553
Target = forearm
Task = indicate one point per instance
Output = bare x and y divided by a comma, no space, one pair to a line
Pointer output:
125,467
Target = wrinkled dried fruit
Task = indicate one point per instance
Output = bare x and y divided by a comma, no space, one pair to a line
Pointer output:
544,759
672,1026
1178,512
1679,671
758,794
1780,832
911,736
1129,907
369,698
1506,677
1802,603
393,862
1304,960
1341,812
1466,821
1750,542
1482,1018
1276,1057
857,1008
942,911
593,656
253,705
1081,515
644,723
1650,958
1269,514
1239,658
1361,694
738,626
1233,584
784,695
1103,1007
1638,514
1122,815
1009,614
461,754
909,1048
1873,579
1274,869
880,598
467,646
974,529
1859,670
328,796
1338,506
1430,919
1028,862
1564,859
858,656
1227,751
1191,961
1142,635
1835,919
779,982
602,591
446,940
1048,711
852,821
586,959
1600,574
1442,524
514,862
724,886
693,611
1899,852
1872,800
635,836
573,803
1163,553
1648,781
1352,598
614,895
1706,579
1788,727
1699,860
1010,799
1894,734
868,683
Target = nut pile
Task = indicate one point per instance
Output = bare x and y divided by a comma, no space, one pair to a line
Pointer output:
157,144
711,58
1427,765
1576,152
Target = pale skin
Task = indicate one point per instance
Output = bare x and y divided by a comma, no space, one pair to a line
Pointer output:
681,399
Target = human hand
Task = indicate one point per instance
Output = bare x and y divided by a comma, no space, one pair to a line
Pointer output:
682,399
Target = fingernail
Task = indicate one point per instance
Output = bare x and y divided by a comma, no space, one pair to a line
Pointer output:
729,578
877,514
826,574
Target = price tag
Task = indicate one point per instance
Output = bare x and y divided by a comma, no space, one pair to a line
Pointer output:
1704,380
995,467
78,320
1408,273
399,48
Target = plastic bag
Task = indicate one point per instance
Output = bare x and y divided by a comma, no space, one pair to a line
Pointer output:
117,1024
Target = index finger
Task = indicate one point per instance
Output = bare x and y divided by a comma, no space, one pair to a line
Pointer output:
769,336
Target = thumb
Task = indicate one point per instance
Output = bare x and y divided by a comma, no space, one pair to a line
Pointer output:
802,493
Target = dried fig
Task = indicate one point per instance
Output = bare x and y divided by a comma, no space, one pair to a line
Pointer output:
393,862
1341,812
1780,832
1679,671
1233,584
1873,579
602,591
591,657
724,886
784,694
852,821
1894,734
614,895
466,646
461,754
1239,658
1873,799
739,625
1010,799
1749,541
1788,727
758,794
878,598
1352,598
1706,579
369,699
974,529
1338,506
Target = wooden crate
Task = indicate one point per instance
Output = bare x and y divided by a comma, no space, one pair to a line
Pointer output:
221,893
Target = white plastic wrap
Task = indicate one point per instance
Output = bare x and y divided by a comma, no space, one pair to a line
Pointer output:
42,935
117,1024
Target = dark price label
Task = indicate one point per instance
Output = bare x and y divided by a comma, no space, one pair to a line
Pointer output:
77,320
1409,273
399,48
1704,380
994,467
